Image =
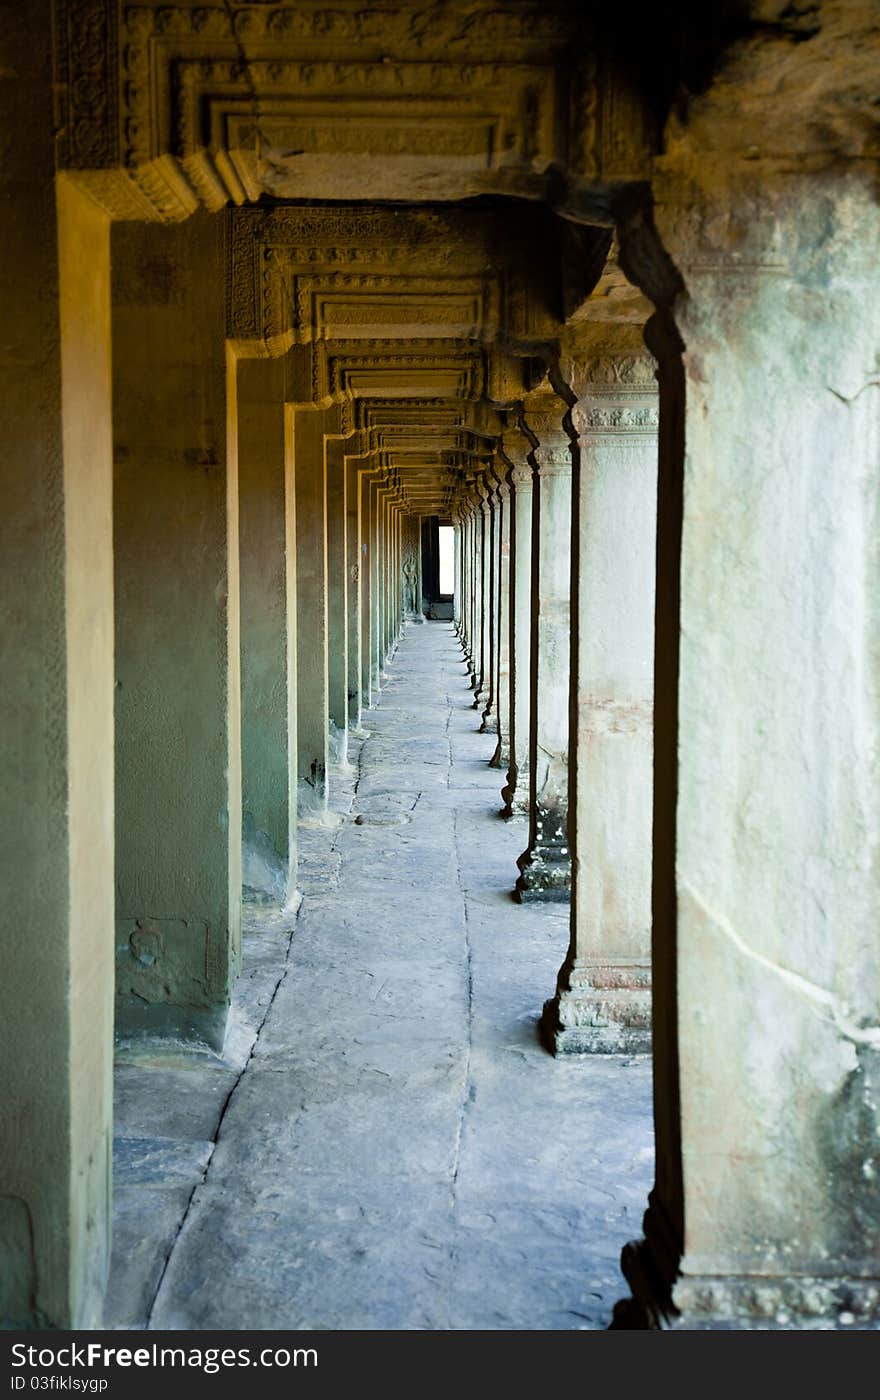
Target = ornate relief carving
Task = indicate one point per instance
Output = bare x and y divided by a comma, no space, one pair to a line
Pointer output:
295,274
616,394
583,139
633,370
86,57
619,418
206,103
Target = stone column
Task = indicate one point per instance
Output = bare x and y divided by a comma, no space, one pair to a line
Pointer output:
375,546
267,532
353,470
516,792
475,526
178,737
482,693
457,600
545,865
768,766
337,595
476,656
56,702
501,756
467,549
603,999
308,427
391,579
494,477
367,494
384,532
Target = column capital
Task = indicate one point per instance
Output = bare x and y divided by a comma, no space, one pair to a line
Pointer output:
613,379
515,449
543,414
496,474
483,489
616,410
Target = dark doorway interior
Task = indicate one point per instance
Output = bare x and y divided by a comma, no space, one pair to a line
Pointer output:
437,604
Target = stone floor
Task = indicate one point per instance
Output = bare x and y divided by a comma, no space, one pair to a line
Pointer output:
384,1143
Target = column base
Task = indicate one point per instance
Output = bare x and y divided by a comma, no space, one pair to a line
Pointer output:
515,796
490,722
760,1302
598,1021
501,756
650,1266
544,876
142,1026
481,698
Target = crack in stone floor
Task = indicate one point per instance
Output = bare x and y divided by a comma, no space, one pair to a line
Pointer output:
384,1143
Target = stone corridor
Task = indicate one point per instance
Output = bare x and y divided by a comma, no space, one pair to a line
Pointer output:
384,1143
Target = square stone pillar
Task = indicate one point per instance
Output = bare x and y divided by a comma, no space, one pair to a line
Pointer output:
355,466
467,581
603,999
482,687
178,738
457,599
382,546
477,596
336,503
766,906
56,794
545,865
309,427
267,535
376,505
494,478
515,794
501,756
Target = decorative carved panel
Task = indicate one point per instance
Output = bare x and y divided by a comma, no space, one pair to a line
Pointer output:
170,107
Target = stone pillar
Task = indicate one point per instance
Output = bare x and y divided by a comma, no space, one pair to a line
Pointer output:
494,477
476,656
366,491
457,599
467,574
545,865
353,468
382,524
337,595
482,692
178,738
516,791
56,795
501,756
375,546
475,525
308,427
766,903
603,999
267,533
391,575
